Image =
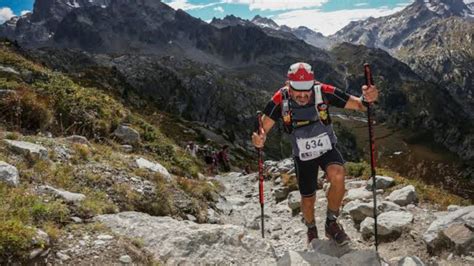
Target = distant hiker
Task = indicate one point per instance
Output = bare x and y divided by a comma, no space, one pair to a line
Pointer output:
209,158
246,170
223,158
192,148
303,105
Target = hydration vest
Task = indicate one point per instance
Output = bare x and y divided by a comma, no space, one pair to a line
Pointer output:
295,116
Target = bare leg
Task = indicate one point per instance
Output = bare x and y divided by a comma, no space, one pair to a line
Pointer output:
335,174
307,207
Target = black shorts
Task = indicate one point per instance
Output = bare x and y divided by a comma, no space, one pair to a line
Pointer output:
307,171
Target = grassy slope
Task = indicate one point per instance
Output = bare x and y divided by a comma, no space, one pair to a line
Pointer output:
48,101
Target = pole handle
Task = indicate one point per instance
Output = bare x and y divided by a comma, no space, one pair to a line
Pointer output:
259,124
369,81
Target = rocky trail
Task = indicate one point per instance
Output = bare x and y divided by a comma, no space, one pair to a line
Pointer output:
235,235
410,233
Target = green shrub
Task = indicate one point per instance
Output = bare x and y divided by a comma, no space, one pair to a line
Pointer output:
26,110
162,204
128,198
15,239
53,231
21,204
21,211
361,169
200,189
95,203
79,110
12,136
54,211
82,152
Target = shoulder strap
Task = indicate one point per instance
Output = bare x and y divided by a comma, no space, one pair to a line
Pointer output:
318,96
285,106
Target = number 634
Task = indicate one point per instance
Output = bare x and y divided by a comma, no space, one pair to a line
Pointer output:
313,144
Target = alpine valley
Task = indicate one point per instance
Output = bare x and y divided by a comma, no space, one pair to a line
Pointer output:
99,68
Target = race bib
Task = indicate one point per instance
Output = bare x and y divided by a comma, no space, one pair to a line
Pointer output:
311,148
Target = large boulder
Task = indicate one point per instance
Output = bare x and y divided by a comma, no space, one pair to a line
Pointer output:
28,149
316,258
351,184
41,241
280,193
185,243
410,261
67,196
433,237
269,163
360,210
8,69
9,174
41,238
361,257
381,182
127,135
78,139
459,238
294,201
306,258
387,206
389,224
329,247
403,196
358,193
452,208
154,167
285,165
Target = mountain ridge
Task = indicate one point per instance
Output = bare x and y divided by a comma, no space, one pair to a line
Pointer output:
193,56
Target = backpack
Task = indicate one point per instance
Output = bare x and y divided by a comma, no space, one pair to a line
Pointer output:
319,102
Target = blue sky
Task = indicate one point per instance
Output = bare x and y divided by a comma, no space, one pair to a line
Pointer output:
326,16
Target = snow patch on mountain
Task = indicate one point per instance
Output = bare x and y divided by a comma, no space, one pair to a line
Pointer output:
75,4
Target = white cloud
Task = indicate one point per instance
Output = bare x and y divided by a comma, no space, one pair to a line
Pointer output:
219,9
329,22
405,4
185,5
24,12
5,14
277,4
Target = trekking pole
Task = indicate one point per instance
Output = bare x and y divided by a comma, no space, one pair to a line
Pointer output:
260,171
369,82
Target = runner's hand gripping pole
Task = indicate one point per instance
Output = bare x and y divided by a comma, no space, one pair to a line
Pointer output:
260,170
369,82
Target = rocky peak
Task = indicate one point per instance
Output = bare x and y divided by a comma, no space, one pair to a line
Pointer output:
312,37
470,6
47,9
390,32
229,20
38,27
264,22
307,31
141,4
444,8
285,28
